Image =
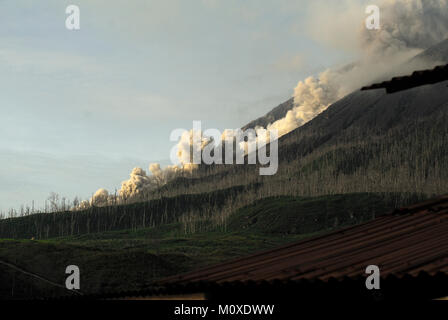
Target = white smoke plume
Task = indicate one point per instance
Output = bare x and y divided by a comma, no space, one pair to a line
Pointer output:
407,24
407,27
139,183
311,97
189,141
100,198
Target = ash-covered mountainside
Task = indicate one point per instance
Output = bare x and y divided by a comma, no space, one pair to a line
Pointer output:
365,112
368,141
435,55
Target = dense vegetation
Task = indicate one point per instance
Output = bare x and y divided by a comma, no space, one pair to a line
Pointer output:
366,154
197,207
131,259
367,142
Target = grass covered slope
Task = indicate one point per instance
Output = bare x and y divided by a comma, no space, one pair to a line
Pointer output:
302,215
102,269
114,264
132,259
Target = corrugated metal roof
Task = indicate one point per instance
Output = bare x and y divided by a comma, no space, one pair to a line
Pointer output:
418,78
407,242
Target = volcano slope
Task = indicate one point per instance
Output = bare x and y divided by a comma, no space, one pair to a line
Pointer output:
366,142
392,147
375,150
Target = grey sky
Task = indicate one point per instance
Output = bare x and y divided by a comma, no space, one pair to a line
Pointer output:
80,109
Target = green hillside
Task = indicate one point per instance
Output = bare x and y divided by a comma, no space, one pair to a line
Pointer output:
302,215
132,259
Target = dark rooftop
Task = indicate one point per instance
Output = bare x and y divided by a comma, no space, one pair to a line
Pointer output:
409,245
408,241
416,79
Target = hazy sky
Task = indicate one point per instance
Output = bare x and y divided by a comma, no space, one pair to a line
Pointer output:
80,109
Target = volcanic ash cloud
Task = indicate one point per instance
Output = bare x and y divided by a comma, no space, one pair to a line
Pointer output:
407,27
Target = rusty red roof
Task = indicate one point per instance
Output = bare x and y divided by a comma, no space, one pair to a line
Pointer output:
407,242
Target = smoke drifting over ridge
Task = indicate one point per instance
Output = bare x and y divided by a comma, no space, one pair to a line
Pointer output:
408,24
139,183
407,28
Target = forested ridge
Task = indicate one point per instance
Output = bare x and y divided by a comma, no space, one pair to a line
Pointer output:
368,142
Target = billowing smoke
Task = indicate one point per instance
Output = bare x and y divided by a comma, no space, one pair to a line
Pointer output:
101,197
140,183
311,97
407,24
407,27
189,141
